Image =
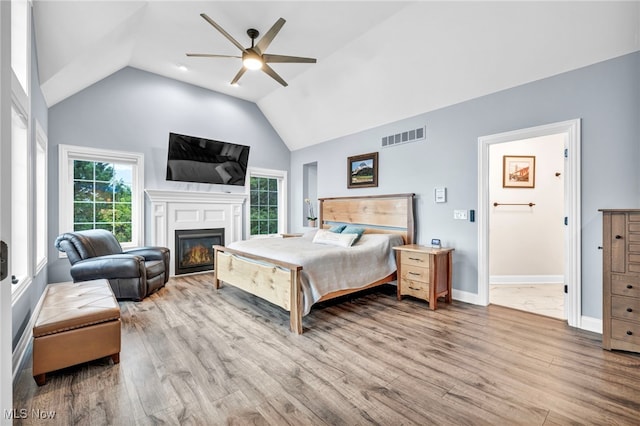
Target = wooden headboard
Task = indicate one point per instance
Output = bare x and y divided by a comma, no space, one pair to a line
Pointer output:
377,213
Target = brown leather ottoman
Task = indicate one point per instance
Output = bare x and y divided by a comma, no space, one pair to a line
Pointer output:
77,322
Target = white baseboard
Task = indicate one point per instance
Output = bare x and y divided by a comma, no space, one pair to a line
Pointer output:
526,279
591,324
466,297
22,348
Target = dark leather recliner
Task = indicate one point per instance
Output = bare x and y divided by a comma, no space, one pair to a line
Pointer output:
133,274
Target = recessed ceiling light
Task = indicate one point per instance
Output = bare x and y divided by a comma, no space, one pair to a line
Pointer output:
234,85
183,67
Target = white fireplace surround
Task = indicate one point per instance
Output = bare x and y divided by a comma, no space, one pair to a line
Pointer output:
179,210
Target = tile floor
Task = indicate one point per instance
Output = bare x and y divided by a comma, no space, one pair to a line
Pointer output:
542,299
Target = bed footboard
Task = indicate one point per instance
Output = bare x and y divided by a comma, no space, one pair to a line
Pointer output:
272,280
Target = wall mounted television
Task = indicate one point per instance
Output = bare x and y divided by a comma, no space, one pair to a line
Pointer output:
194,159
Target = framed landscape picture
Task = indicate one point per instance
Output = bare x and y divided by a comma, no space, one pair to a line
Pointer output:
362,170
519,171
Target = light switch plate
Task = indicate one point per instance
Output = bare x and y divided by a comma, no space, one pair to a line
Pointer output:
460,214
441,195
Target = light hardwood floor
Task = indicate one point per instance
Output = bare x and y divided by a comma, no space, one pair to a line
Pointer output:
191,355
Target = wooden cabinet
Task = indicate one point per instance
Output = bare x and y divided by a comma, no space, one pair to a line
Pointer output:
424,272
621,280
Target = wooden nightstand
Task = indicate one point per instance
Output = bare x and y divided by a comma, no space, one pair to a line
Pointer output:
424,272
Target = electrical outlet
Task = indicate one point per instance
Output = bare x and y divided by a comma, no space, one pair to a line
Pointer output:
460,214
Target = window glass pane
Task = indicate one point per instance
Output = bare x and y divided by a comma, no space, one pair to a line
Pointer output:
104,191
19,41
123,231
41,201
19,261
83,170
105,226
82,191
104,172
104,212
82,212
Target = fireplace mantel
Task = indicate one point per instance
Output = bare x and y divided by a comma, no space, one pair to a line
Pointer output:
167,196
182,210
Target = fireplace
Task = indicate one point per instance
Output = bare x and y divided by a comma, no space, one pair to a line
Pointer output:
194,251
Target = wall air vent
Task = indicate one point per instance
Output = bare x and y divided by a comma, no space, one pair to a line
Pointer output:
412,135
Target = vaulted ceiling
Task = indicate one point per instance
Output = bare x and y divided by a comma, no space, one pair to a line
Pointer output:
378,61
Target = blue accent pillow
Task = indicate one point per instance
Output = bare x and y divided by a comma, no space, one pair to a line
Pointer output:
337,228
349,229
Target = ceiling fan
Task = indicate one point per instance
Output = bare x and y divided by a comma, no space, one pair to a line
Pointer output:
254,58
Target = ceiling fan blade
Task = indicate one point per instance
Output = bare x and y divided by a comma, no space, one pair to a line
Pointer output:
240,74
211,55
223,32
266,39
289,59
266,68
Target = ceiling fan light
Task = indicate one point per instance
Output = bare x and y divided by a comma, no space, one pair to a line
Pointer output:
252,61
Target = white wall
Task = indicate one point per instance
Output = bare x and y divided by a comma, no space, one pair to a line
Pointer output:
527,240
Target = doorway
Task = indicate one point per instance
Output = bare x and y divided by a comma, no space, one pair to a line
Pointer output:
570,131
526,230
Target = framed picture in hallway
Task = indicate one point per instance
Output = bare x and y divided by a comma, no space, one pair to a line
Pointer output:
362,170
519,171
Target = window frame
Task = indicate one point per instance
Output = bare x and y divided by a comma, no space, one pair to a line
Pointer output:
69,153
21,102
281,177
25,281
41,190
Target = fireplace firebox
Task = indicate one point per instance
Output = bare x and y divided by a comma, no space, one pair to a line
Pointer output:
194,249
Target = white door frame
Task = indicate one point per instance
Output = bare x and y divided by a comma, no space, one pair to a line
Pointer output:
6,357
573,238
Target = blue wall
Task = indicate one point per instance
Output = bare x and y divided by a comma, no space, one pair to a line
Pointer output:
606,96
133,110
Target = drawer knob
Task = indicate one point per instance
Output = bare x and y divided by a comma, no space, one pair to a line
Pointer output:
629,286
629,310
417,289
416,259
618,237
629,332
414,273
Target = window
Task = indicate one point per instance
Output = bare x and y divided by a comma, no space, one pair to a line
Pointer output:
102,189
20,237
41,198
20,40
22,219
267,202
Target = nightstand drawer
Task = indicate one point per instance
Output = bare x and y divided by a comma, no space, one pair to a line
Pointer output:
625,286
415,258
414,273
625,331
414,288
627,308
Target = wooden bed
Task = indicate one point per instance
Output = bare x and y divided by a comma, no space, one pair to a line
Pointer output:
279,282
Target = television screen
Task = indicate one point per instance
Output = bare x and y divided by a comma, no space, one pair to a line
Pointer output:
193,159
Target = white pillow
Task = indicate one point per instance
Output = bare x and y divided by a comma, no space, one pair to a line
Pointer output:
324,236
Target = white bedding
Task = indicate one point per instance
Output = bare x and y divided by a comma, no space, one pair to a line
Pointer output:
327,268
